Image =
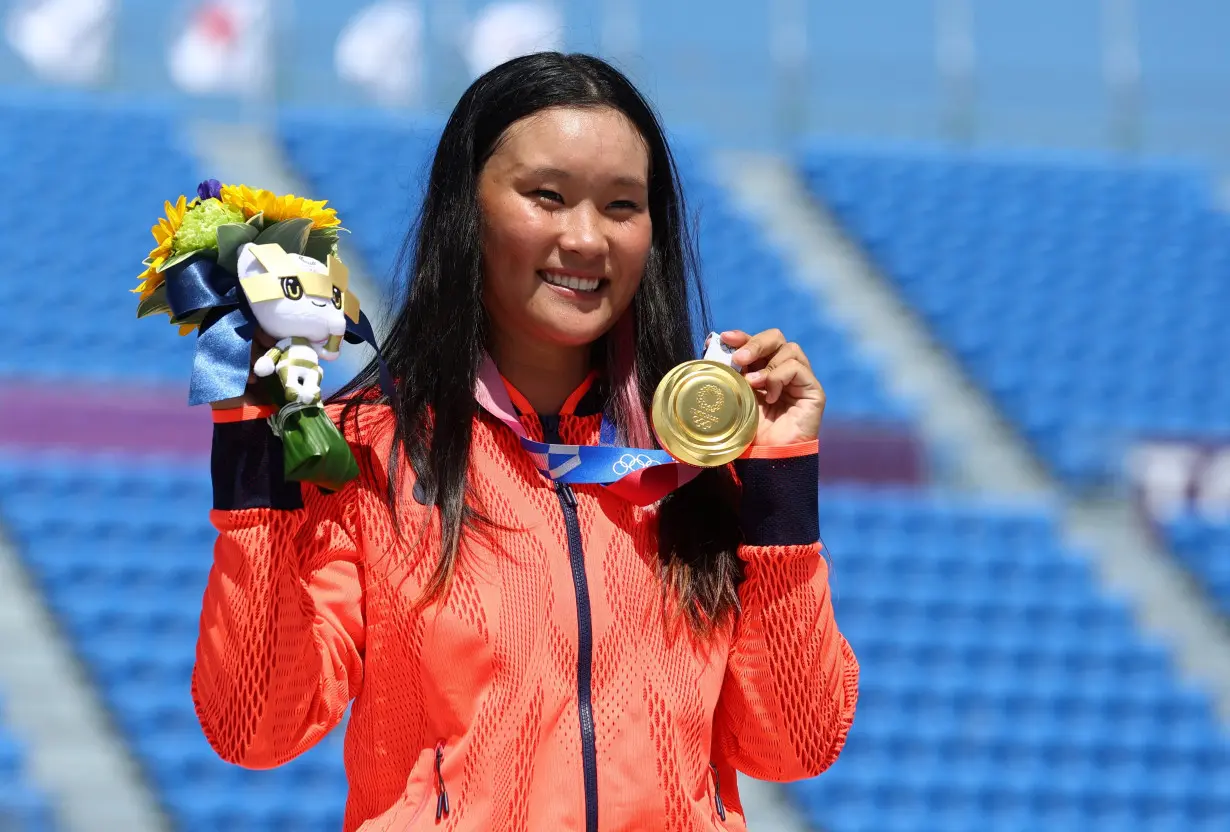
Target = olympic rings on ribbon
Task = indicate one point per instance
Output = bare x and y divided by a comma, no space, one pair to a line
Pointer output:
628,463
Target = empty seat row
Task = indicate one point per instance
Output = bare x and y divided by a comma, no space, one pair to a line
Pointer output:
1081,293
1203,547
1052,712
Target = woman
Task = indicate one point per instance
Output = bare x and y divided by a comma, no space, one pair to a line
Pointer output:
524,654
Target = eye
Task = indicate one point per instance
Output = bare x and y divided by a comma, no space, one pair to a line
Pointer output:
337,298
550,196
292,288
625,205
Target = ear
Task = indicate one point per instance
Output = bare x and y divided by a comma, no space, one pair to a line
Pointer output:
246,264
274,259
260,268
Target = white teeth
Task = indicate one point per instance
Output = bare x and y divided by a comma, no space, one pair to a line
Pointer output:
579,284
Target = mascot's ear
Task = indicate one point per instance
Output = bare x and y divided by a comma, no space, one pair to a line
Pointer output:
247,265
261,269
273,260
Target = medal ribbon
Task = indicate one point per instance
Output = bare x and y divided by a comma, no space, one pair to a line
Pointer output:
642,476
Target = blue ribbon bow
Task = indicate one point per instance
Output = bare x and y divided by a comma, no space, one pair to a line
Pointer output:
223,357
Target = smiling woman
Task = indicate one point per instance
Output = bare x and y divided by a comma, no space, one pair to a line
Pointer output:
526,650
565,202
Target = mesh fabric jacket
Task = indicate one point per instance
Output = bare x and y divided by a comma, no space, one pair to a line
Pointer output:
488,697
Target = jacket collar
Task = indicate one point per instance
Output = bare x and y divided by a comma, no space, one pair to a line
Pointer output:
587,400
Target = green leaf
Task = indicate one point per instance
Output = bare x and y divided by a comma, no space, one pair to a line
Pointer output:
257,221
187,255
291,235
195,318
321,242
155,304
314,451
231,238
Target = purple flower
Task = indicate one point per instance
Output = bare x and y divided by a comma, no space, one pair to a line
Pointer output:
209,189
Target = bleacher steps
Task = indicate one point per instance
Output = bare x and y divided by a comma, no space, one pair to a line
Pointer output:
75,757
966,431
988,457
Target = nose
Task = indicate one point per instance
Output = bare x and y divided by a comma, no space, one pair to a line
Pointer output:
582,232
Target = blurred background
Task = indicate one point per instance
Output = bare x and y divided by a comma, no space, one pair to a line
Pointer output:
998,228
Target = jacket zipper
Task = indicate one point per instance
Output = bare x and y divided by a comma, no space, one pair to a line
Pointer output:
580,583
441,791
717,793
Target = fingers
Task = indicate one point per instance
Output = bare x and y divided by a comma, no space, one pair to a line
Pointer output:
734,337
790,351
792,377
765,349
756,348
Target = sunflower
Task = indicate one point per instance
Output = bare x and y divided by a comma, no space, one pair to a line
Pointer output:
164,233
253,201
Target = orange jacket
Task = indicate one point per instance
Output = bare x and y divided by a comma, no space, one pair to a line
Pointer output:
546,693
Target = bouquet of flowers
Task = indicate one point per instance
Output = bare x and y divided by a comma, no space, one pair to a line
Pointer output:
234,259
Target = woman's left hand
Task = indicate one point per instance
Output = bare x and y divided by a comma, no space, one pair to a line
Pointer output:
791,399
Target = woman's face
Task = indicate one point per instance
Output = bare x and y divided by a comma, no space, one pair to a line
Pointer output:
565,205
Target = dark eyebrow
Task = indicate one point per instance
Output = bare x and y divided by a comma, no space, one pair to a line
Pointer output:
558,173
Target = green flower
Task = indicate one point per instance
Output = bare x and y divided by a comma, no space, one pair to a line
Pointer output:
199,229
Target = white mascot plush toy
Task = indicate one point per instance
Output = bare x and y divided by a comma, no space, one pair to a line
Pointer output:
303,304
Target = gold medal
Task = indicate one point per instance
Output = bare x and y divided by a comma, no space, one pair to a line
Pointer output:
705,412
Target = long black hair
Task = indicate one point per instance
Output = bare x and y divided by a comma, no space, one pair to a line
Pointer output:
438,338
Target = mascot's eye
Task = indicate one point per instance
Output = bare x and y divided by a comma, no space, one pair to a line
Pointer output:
292,288
337,298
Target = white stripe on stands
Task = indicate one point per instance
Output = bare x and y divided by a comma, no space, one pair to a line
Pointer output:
989,456
767,808
73,755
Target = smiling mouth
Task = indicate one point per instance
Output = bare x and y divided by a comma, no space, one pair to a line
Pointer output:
577,284
321,304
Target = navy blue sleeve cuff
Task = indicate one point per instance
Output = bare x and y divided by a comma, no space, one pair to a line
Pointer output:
780,505
248,470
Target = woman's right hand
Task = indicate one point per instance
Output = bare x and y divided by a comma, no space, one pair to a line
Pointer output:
252,394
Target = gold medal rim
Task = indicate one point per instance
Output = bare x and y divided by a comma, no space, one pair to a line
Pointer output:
677,443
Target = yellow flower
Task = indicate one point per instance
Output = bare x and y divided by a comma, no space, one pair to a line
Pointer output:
253,201
163,233
249,201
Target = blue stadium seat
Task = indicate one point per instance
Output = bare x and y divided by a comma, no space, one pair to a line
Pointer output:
124,571
1001,689
84,183
1083,293
1203,547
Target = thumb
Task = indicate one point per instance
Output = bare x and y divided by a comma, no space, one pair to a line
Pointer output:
734,337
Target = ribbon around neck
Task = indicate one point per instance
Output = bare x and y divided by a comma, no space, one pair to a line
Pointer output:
223,357
643,476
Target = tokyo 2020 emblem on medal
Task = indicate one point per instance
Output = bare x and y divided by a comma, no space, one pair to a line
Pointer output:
704,411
